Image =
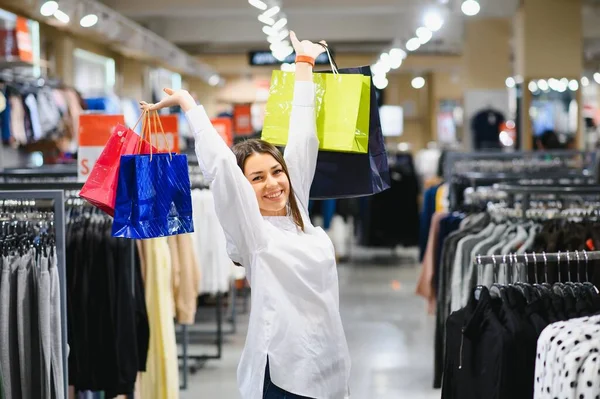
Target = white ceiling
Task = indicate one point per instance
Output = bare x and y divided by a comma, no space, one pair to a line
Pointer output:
208,26
231,26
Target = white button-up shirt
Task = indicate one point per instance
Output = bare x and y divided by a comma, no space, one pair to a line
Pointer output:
295,318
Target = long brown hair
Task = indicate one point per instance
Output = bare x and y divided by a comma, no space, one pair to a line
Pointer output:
246,148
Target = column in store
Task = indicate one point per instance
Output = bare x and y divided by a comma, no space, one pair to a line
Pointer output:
549,48
486,65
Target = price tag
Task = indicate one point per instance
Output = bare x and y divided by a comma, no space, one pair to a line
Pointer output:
224,126
170,124
94,132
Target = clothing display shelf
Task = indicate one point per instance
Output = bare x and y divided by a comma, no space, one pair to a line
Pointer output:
537,259
458,163
58,201
477,169
556,191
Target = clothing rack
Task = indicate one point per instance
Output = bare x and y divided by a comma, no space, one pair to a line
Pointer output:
57,197
197,182
543,257
526,191
478,169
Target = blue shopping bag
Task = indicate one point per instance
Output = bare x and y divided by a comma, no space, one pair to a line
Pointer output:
154,197
347,175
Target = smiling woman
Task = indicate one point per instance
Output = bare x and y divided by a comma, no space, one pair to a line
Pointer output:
266,170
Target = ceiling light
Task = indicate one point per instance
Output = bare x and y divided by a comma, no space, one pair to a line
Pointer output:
418,82
283,34
510,82
214,80
270,13
470,7
533,87
543,85
273,39
280,24
380,81
266,20
413,44
395,63
424,35
61,16
564,82
48,8
433,21
385,58
574,85
269,31
261,5
585,82
597,77
397,53
89,20
377,69
554,84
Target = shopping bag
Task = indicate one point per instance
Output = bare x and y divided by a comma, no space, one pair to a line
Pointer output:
154,196
342,106
101,186
346,175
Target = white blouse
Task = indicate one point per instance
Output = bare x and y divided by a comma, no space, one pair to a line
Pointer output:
295,318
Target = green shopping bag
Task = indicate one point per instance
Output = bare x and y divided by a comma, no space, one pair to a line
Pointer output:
342,105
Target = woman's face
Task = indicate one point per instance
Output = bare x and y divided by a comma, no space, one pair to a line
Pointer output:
270,183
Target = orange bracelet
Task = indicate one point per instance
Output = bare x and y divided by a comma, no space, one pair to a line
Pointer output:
305,58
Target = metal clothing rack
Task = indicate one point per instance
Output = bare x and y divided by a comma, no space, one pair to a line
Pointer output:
198,183
539,257
526,191
62,186
548,167
57,196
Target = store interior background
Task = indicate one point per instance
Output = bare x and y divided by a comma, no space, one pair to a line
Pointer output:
537,62
495,58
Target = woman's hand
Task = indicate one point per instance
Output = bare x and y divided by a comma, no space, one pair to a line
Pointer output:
306,47
175,98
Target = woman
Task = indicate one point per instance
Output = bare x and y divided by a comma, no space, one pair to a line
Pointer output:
295,347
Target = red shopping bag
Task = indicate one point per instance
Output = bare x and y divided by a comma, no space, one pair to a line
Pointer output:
100,189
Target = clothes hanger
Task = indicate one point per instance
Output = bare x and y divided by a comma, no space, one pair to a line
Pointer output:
496,288
542,289
480,287
591,287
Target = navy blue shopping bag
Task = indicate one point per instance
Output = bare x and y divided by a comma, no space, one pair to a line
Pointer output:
347,175
154,197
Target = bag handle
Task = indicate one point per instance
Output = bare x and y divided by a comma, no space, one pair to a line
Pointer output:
145,132
334,66
157,120
139,119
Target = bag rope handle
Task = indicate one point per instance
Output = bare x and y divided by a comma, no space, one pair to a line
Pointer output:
143,133
334,66
157,120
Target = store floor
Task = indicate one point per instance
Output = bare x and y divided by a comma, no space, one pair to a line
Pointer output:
389,335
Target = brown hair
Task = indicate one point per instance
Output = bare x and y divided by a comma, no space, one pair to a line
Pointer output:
246,148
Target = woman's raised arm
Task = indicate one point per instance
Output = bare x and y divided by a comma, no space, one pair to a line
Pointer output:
235,200
303,145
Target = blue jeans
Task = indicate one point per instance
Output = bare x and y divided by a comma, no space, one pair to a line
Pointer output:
272,391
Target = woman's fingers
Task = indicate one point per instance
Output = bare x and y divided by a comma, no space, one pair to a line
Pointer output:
169,91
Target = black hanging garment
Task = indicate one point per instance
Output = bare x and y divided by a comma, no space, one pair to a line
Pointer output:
485,127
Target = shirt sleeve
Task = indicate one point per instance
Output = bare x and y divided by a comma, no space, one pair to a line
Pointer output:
303,145
235,201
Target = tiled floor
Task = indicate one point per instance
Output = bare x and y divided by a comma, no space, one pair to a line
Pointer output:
389,334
